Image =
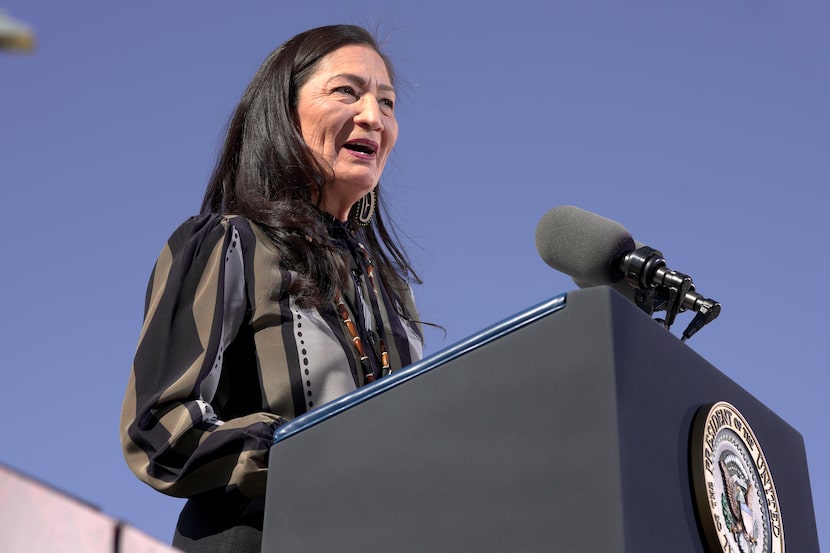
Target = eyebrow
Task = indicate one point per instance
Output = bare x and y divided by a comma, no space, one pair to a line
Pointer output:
362,82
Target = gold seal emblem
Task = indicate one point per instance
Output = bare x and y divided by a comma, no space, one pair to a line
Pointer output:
736,499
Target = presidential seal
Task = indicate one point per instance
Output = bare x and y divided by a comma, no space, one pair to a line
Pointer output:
733,487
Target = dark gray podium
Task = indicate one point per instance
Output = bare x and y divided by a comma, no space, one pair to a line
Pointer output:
563,429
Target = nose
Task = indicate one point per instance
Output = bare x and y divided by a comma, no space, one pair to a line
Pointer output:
368,113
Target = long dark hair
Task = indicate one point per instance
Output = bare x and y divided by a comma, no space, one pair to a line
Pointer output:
267,173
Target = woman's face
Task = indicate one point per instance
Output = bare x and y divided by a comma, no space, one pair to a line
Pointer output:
346,116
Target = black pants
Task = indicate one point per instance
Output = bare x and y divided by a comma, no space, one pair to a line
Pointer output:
217,526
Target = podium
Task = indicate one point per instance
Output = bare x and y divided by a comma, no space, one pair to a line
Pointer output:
566,428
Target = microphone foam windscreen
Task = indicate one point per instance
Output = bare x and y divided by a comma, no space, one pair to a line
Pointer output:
583,245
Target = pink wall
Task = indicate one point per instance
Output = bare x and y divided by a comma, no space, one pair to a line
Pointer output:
35,517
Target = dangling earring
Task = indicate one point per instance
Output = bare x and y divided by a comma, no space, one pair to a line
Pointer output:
363,210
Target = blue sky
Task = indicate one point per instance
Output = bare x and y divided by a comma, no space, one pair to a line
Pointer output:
702,126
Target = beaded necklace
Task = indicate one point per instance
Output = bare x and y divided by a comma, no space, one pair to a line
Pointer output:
365,363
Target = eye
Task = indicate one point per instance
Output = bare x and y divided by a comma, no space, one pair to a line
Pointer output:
348,90
387,105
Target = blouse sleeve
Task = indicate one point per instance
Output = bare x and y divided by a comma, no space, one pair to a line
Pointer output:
171,437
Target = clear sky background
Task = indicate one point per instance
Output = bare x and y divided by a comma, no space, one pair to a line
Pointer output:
703,127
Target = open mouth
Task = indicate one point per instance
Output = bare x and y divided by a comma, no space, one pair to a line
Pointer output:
365,148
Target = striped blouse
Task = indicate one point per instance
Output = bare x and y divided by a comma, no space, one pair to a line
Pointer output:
225,356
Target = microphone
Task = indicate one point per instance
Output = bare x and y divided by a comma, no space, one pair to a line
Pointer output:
597,251
583,245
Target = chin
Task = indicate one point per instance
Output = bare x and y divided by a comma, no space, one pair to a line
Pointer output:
359,186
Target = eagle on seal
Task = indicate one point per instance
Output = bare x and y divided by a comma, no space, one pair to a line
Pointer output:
743,520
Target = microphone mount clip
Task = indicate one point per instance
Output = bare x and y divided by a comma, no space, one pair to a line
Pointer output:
658,288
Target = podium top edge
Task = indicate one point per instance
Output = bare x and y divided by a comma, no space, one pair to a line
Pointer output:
334,407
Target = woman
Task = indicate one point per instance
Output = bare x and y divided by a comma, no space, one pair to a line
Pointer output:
285,292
